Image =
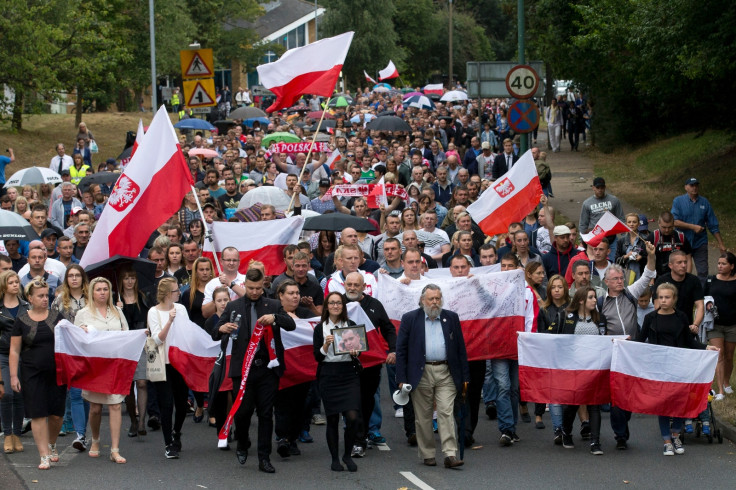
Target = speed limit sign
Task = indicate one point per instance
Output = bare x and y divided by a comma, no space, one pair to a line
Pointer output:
522,82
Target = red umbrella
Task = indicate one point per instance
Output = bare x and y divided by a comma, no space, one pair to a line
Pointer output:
318,114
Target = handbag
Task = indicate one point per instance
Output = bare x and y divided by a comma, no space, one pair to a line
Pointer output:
93,148
155,363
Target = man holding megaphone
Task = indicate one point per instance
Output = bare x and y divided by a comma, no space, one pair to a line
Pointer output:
431,367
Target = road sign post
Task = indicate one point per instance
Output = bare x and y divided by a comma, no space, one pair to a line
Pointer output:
197,72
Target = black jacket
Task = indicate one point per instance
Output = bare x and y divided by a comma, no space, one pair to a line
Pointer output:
550,319
571,319
318,341
6,325
264,306
379,318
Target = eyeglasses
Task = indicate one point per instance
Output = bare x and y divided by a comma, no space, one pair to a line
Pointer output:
615,279
40,283
334,303
231,260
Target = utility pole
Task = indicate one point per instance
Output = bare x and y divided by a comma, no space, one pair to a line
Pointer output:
450,47
154,85
522,61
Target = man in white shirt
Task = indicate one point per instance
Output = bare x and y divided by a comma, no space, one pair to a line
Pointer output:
429,225
230,277
347,258
61,161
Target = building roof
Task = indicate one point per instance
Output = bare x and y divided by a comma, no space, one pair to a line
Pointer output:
280,14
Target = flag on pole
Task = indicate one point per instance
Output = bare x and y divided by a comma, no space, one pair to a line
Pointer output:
661,380
607,225
103,362
389,72
509,199
148,192
334,157
138,137
368,78
264,241
311,69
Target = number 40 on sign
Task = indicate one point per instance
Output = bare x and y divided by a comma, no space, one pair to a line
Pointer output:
522,82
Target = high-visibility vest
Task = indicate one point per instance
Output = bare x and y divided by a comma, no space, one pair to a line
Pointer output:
78,175
175,100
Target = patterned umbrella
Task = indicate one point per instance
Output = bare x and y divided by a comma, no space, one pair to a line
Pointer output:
33,176
419,102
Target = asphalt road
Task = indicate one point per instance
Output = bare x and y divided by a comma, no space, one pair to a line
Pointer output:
532,463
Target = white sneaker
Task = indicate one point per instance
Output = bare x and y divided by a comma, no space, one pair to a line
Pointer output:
728,390
669,449
318,419
678,446
719,397
399,413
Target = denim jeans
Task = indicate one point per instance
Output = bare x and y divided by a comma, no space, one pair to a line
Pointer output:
376,420
80,410
664,426
489,385
620,422
506,375
11,404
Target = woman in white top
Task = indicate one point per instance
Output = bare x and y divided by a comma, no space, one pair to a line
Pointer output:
101,314
172,392
339,383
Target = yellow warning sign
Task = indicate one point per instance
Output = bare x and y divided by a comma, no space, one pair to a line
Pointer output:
196,63
199,93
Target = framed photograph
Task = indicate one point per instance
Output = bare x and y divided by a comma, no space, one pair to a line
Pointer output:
348,339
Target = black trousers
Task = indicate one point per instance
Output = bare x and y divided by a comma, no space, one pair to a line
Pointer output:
594,414
171,394
259,396
289,411
409,420
475,388
370,379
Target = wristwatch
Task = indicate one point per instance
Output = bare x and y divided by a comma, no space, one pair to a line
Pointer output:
232,284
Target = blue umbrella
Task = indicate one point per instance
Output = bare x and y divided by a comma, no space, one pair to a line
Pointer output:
193,123
262,120
367,118
419,101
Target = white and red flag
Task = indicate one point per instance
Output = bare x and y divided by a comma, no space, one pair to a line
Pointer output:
311,69
508,199
103,362
264,241
389,72
661,380
490,306
138,138
368,78
147,193
435,88
565,369
607,225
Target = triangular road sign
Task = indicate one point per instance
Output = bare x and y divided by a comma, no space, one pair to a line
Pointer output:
200,97
198,68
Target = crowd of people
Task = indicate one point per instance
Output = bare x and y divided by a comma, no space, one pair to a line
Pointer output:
622,286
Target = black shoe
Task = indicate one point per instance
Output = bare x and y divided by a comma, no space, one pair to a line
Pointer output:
133,431
176,440
526,418
539,425
595,448
412,440
469,440
585,430
491,410
283,448
558,437
507,439
154,423
171,452
242,455
352,467
515,437
294,449
621,444
567,441
336,466
265,466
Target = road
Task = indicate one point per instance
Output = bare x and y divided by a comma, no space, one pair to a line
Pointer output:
532,463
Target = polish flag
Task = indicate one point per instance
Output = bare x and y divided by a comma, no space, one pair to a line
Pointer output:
193,353
301,367
661,380
565,369
264,241
607,225
138,137
103,362
368,78
509,199
491,308
389,72
435,88
378,195
311,69
147,193
334,157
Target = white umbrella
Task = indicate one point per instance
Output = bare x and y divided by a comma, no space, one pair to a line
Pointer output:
381,89
33,176
266,195
454,96
14,227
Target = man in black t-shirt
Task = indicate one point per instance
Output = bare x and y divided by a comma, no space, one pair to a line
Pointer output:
689,289
312,295
666,240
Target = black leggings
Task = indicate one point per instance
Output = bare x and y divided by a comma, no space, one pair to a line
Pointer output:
351,428
594,413
172,394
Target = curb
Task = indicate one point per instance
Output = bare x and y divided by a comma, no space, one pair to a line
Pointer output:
728,430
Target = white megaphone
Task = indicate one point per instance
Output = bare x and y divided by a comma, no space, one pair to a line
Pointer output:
401,397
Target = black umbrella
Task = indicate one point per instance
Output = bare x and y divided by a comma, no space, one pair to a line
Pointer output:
223,125
247,113
386,113
217,376
388,123
98,178
326,123
145,270
125,155
338,222
14,227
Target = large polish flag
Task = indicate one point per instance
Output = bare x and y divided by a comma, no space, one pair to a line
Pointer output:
334,157
103,362
607,225
434,88
565,369
264,241
661,380
147,193
389,72
490,306
311,69
193,353
508,199
368,78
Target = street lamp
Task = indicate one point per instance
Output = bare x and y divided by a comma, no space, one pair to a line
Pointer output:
450,46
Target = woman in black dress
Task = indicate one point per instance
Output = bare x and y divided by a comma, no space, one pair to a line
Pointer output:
32,347
339,383
218,408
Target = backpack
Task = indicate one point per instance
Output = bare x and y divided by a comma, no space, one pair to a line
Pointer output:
658,236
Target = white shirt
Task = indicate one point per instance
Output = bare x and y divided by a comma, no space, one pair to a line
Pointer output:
337,283
215,283
156,321
52,266
66,163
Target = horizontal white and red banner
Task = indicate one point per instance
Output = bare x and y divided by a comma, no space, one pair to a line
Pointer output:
103,362
264,241
355,190
301,147
661,380
433,88
510,198
607,225
490,306
565,369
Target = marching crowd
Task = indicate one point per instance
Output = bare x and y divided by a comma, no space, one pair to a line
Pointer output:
639,284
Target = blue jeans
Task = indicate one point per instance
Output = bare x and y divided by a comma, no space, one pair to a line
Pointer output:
11,404
506,375
620,422
555,412
376,420
80,411
490,392
664,426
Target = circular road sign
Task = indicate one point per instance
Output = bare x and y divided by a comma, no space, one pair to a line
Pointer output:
522,82
523,116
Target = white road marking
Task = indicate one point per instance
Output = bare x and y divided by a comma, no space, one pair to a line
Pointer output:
415,480
383,447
